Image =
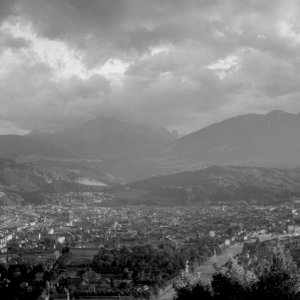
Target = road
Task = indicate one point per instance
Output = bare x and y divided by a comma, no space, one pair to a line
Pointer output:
206,269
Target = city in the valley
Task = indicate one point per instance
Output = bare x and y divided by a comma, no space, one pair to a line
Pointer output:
83,249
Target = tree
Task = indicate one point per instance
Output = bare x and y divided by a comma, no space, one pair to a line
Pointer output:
279,278
233,281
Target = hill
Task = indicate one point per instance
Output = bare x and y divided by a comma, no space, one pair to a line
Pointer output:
273,138
212,185
24,182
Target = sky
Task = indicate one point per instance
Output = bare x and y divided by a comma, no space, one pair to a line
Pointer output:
180,64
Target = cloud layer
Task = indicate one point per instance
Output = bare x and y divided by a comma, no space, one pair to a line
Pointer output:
179,64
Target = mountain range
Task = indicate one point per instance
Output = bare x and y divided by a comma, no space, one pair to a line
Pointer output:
113,151
250,140
272,139
107,138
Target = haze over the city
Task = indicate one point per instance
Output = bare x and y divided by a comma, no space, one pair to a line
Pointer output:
177,64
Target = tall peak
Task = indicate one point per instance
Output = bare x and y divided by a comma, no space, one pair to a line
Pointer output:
277,112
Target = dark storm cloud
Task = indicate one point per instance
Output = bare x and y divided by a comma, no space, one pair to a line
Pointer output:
138,24
7,8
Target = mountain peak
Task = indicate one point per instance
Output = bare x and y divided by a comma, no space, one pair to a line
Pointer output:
278,113
107,137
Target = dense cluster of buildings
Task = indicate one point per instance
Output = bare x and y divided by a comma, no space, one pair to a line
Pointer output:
48,228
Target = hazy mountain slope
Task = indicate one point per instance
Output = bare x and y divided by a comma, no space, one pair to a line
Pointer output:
19,181
213,185
249,140
15,146
274,138
106,138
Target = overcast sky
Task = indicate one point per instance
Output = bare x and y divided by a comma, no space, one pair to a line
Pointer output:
182,64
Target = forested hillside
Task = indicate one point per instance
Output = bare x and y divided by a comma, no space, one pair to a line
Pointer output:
213,185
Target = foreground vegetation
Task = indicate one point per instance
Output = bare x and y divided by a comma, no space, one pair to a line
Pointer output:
275,279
